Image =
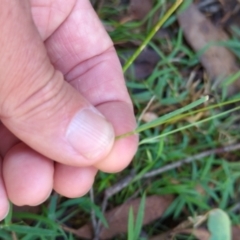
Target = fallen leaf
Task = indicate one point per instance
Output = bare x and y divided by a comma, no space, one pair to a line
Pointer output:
117,218
218,61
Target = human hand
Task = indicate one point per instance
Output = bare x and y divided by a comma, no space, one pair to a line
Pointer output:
62,98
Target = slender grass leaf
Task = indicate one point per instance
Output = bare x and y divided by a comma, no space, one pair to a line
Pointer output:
170,115
152,33
48,221
131,225
166,117
31,230
154,139
52,207
140,217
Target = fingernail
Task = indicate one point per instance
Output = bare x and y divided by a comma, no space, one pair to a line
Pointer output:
90,134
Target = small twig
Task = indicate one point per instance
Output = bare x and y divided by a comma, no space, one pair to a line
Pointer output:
191,159
111,192
146,108
120,185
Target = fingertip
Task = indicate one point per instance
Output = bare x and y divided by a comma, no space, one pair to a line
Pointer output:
28,176
121,116
121,155
73,182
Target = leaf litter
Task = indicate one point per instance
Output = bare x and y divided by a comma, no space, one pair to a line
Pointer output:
117,218
204,38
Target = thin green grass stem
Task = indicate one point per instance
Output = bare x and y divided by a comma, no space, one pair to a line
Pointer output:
153,139
204,109
166,117
170,115
152,33
181,116
176,115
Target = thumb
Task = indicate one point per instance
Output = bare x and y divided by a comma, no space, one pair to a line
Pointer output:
37,105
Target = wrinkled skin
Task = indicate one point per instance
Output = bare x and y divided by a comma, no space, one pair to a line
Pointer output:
57,61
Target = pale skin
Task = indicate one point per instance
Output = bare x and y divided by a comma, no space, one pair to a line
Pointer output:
58,72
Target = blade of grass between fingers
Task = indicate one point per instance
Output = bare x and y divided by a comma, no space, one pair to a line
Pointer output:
181,116
152,33
166,117
170,115
150,140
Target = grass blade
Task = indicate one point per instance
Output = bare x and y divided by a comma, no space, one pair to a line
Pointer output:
152,33
166,117
153,139
140,217
31,230
41,219
170,115
131,225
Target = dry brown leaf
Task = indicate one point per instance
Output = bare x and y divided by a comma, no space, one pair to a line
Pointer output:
117,218
218,61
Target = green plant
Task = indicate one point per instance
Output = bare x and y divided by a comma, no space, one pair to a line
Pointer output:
134,227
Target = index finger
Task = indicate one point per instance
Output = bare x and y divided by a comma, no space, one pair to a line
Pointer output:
82,50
